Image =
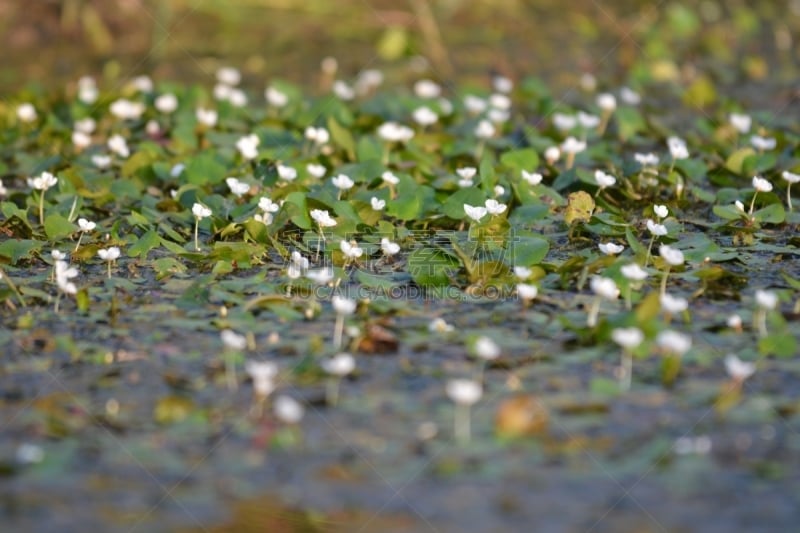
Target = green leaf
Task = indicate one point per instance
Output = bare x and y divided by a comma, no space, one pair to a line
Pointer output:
205,169
771,214
57,227
454,206
521,159
342,138
735,161
778,344
527,250
146,242
727,212
18,249
431,267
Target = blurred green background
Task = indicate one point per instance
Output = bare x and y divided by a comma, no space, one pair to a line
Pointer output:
732,42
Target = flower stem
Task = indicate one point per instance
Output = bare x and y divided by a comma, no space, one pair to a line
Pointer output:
664,281
626,370
760,319
41,208
753,202
462,425
649,250
109,269
332,391
230,370
789,196
338,330
591,320
570,160
196,229
78,245
13,287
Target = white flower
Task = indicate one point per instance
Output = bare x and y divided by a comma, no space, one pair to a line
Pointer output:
610,248
390,178
739,206
26,112
564,122
323,218
238,188
248,146
377,203
267,205
502,84
101,160
275,97
80,139
237,98
119,145
604,180
142,83
789,177
351,249
28,454
206,117
85,125
287,173
628,338
629,96
474,104
677,148
368,80
552,154
661,211
464,391
740,122
200,211
493,207
588,121
339,365
673,304
424,116
500,101
262,373
738,369
229,75
476,213
499,190
127,109
767,300
763,143
264,218
86,225
438,325
318,136
674,342
527,291
342,182
388,247
299,261
87,90
233,340
522,272
427,89
222,92
317,171
108,254
761,185
152,128
571,145
633,272
394,132
58,255
734,322
486,348
63,275
43,181
606,101
342,305
604,287
288,410
466,173
533,178
3,190
656,229
343,91
672,256
484,130
646,160
321,276
167,103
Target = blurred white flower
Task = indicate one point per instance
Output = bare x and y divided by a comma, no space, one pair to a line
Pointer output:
427,89
206,117
237,187
740,122
248,146
424,116
166,103
610,248
26,112
763,143
377,204
476,213
275,97
628,338
287,173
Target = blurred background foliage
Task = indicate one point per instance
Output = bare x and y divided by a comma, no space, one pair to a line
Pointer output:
697,43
